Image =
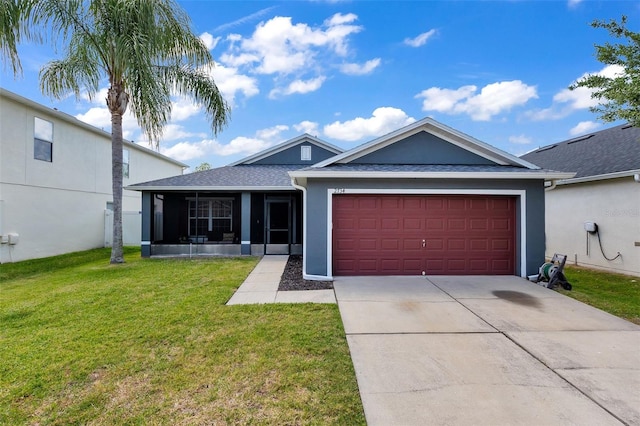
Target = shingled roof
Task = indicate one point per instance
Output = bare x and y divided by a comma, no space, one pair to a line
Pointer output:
242,177
612,150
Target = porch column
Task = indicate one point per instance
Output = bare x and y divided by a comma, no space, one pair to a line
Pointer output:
245,224
147,212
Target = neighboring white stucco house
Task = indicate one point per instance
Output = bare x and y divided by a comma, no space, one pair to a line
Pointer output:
605,191
55,181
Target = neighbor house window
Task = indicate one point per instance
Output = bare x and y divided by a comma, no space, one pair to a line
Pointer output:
42,139
125,163
305,153
212,215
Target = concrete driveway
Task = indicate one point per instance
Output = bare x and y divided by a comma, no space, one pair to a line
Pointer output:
486,350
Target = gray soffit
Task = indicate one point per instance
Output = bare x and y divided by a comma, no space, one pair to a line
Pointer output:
601,153
229,178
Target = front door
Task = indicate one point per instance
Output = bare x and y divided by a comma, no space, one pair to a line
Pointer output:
278,226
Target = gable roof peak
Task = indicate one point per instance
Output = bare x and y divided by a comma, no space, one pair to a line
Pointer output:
435,128
287,144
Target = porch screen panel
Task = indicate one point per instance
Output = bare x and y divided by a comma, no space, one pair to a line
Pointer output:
210,216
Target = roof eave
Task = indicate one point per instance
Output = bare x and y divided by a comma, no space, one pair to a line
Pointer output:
606,176
550,175
208,188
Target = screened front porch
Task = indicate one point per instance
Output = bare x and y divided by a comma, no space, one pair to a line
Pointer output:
219,223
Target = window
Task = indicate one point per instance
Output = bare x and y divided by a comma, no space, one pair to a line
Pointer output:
210,216
42,139
305,153
125,163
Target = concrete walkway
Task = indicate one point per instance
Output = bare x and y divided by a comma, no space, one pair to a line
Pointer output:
261,286
486,351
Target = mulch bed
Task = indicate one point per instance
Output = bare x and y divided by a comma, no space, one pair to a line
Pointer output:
292,278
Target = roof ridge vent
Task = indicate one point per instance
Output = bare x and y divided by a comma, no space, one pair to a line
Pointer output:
546,148
580,139
628,126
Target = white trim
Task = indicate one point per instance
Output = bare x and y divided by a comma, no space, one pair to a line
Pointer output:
245,242
316,277
145,243
615,175
304,227
520,193
430,175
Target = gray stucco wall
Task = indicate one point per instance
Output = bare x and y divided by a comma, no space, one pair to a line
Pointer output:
316,242
291,155
422,148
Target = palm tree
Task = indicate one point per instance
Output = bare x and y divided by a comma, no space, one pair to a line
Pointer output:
146,50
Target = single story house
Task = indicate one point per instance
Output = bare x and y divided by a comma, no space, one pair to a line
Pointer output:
55,182
424,199
594,217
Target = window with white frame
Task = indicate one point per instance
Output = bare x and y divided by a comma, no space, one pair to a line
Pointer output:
210,215
125,163
42,139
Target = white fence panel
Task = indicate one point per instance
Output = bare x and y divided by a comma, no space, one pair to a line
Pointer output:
131,228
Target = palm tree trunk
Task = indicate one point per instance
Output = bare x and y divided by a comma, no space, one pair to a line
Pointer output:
117,101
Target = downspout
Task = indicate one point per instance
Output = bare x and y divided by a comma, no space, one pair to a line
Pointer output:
552,187
304,225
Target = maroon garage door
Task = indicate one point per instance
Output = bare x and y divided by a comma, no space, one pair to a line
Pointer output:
430,234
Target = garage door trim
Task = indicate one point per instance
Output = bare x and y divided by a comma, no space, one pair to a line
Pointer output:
521,203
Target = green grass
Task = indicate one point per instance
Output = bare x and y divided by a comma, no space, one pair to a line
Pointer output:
615,293
151,342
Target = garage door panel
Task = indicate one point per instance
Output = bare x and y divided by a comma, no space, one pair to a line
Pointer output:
366,223
390,244
384,234
457,244
368,244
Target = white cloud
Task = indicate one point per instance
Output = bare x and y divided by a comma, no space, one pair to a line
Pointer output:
174,132
230,83
382,121
210,41
279,46
520,139
421,39
309,127
573,3
100,117
583,127
492,99
567,101
263,139
299,86
339,19
271,133
360,69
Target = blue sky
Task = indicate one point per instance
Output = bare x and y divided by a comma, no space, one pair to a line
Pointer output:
350,71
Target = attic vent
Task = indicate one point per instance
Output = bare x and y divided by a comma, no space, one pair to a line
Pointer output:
305,153
546,148
583,138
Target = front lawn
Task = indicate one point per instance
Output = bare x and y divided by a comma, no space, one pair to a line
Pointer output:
151,342
615,293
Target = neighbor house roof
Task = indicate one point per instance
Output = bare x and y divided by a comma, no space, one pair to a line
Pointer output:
228,178
613,152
